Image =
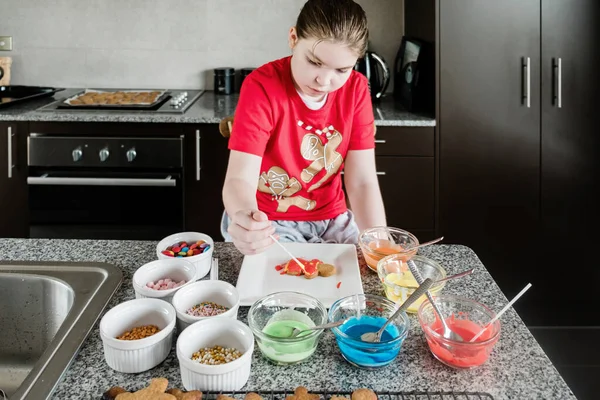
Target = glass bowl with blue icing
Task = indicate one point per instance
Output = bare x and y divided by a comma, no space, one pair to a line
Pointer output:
273,319
367,313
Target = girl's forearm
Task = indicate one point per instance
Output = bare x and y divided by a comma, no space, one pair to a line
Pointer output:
367,205
238,195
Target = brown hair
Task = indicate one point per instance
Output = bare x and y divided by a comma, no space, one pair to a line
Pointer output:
342,21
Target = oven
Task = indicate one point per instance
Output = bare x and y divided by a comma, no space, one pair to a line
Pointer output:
83,187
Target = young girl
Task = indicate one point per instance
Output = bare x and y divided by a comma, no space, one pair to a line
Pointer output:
299,122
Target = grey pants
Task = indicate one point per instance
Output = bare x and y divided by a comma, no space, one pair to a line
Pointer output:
341,229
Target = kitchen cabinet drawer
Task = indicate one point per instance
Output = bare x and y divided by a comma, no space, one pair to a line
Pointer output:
407,188
205,158
404,141
14,218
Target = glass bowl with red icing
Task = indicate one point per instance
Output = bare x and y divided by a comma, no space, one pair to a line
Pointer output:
466,317
381,241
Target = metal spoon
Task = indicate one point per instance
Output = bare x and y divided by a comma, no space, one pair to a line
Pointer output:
448,333
297,331
459,275
376,336
423,244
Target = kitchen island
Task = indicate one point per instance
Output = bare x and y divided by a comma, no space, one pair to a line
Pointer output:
517,369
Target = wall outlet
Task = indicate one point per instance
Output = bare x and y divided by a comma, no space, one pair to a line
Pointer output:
5,43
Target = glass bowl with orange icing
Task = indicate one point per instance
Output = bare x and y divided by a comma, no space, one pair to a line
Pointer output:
382,241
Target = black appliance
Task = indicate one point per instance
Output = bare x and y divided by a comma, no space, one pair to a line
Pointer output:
414,75
224,80
10,95
105,187
377,72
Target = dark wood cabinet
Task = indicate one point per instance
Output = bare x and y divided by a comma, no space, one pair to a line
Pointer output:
490,130
516,171
14,219
406,170
407,189
206,156
570,150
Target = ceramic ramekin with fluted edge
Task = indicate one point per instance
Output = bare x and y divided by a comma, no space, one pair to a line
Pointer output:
134,356
221,331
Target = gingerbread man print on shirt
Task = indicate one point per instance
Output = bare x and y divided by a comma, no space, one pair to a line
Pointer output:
283,188
323,155
277,182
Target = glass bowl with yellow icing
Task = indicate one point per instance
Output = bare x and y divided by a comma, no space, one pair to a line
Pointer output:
399,283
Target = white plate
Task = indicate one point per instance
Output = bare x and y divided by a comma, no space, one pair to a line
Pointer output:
259,278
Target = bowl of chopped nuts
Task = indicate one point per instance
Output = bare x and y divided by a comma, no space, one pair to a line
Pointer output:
215,354
137,334
160,279
205,299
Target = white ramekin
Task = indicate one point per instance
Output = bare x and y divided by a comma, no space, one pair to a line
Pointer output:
219,292
175,268
211,332
133,356
201,261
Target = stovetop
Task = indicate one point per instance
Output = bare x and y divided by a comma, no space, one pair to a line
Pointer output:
173,102
10,95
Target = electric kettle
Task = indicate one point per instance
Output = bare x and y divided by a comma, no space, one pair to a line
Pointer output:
377,72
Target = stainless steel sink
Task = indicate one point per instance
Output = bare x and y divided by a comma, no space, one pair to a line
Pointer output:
46,312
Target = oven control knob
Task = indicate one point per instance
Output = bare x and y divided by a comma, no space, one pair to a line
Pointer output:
131,154
77,154
104,153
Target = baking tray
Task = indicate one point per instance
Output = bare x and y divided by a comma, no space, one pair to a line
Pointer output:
382,395
10,95
159,98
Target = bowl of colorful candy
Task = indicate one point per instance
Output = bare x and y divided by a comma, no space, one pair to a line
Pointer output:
162,278
273,319
399,283
205,299
215,354
195,247
367,313
381,241
465,317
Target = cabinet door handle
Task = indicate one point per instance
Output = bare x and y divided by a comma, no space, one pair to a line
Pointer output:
10,153
197,154
527,81
380,141
557,69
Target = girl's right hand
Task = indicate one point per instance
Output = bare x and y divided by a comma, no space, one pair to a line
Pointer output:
250,231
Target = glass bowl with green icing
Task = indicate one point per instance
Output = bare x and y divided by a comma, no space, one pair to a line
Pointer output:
273,319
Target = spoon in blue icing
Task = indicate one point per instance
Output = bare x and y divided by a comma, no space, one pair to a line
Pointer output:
376,336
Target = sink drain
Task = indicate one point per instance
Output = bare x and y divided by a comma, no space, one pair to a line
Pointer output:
3,394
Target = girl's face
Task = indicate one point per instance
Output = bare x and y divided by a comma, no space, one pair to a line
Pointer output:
322,68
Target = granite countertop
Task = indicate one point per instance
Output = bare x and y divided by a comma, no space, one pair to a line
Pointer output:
209,108
517,369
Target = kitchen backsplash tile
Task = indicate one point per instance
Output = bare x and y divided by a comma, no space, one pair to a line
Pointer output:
160,43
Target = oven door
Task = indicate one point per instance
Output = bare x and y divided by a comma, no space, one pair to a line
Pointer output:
105,205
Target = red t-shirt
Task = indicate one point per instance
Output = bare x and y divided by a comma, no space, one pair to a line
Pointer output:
302,150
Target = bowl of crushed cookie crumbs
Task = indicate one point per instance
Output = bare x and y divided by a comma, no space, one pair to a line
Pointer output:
137,334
